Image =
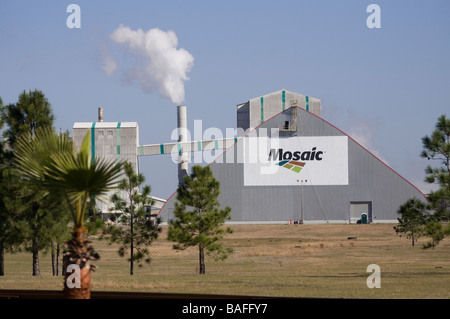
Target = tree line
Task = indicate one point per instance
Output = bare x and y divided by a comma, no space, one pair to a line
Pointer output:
48,192
431,218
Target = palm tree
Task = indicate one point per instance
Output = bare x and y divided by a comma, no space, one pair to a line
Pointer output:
51,163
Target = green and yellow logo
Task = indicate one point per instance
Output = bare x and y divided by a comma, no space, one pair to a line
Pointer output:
289,160
292,165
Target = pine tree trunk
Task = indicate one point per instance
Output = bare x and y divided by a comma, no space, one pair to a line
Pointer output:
35,241
53,258
131,245
63,266
130,194
201,257
2,259
57,259
35,249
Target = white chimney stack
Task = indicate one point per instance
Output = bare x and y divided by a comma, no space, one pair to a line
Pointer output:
182,137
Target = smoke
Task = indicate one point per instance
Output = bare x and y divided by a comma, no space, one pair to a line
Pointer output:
362,129
363,133
109,65
158,64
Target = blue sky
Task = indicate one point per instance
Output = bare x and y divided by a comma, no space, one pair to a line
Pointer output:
384,87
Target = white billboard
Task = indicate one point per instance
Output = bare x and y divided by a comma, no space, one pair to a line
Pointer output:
313,160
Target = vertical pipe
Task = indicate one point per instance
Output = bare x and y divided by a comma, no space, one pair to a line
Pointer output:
303,213
182,137
100,114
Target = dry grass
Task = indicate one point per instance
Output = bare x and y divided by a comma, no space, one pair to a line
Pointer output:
270,260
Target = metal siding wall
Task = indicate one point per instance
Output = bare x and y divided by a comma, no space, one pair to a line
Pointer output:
369,180
78,136
272,104
128,145
243,115
113,141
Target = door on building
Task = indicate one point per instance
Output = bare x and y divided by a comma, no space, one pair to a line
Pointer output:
358,208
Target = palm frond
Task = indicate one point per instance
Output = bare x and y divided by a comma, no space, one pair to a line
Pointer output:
33,153
51,162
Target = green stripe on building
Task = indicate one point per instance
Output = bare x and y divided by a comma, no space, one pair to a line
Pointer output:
307,103
93,142
119,158
118,141
161,148
199,146
262,109
283,99
216,144
179,148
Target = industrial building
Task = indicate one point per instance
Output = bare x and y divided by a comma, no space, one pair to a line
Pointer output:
286,164
115,141
305,170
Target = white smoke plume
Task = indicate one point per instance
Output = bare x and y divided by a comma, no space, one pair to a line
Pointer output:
109,65
361,129
161,65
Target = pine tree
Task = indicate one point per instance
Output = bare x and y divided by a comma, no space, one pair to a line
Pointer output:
10,207
5,217
136,230
55,231
413,218
198,219
31,112
437,147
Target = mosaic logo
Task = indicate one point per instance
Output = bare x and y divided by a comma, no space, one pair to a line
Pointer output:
283,161
289,160
292,165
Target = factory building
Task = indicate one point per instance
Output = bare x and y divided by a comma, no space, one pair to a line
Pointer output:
285,164
291,165
113,141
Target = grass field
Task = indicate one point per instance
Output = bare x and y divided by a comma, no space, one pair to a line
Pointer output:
270,260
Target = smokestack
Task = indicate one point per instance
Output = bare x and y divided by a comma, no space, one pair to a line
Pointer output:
182,137
100,114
